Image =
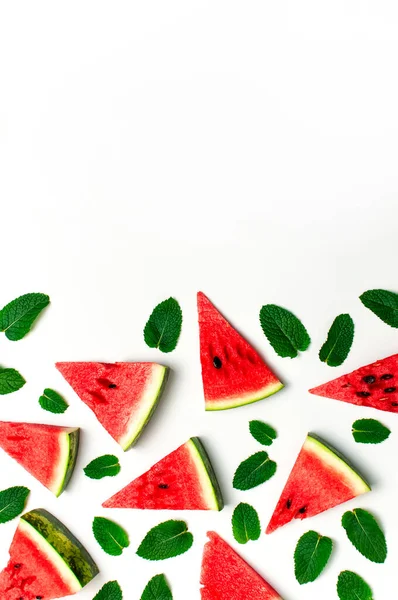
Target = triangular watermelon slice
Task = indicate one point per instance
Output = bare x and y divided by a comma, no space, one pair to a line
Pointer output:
375,385
233,372
320,479
46,561
123,395
182,480
226,576
47,452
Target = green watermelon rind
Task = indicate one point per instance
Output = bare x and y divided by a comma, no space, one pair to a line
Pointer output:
324,449
72,559
131,438
209,481
66,468
221,404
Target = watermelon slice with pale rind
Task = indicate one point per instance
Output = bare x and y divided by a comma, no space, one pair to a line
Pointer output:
226,576
320,479
46,561
123,395
374,385
182,480
47,452
233,372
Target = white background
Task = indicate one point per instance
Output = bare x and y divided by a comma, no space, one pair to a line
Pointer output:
248,149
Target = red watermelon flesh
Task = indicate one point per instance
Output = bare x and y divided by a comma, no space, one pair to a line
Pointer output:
123,396
225,575
375,385
182,480
320,479
47,452
233,372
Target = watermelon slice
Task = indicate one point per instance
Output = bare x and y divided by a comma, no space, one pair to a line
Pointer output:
374,385
320,479
123,396
233,372
182,480
46,561
225,575
47,452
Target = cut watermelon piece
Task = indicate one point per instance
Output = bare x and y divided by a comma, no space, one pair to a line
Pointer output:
375,385
182,480
320,479
225,575
233,372
46,561
47,452
123,396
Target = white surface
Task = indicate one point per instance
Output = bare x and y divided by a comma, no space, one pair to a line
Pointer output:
248,149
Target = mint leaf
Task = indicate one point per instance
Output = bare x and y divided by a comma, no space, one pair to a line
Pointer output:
351,586
111,537
103,466
263,433
164,326
245,523
365,534
157,589
166,540
311,556
382,303
253,471
284,331
369,431
10,381
53,402
339,341
17,317
12,502
110,591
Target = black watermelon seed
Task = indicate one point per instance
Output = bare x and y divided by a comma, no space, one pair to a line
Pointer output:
39,597
17,566
112,385
163,486
390,390
288,503
394,403
369,379
363,394
387,376
302,510
217,362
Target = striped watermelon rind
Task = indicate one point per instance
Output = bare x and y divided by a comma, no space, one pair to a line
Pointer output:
69,444
207,477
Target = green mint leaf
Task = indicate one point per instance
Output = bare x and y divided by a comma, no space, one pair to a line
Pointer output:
103,466
164,326
339,341
311,556
284,331
111,537
365,534
351,586
53,402
157,589
12,502
263,433
245,523
17,317
10,381
110,591
166,540
369,431
382,303
253,471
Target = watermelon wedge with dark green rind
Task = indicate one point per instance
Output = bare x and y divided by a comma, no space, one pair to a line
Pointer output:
321,479
226,576
123,395
47,452
233,372
46,560
182,480
374,386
